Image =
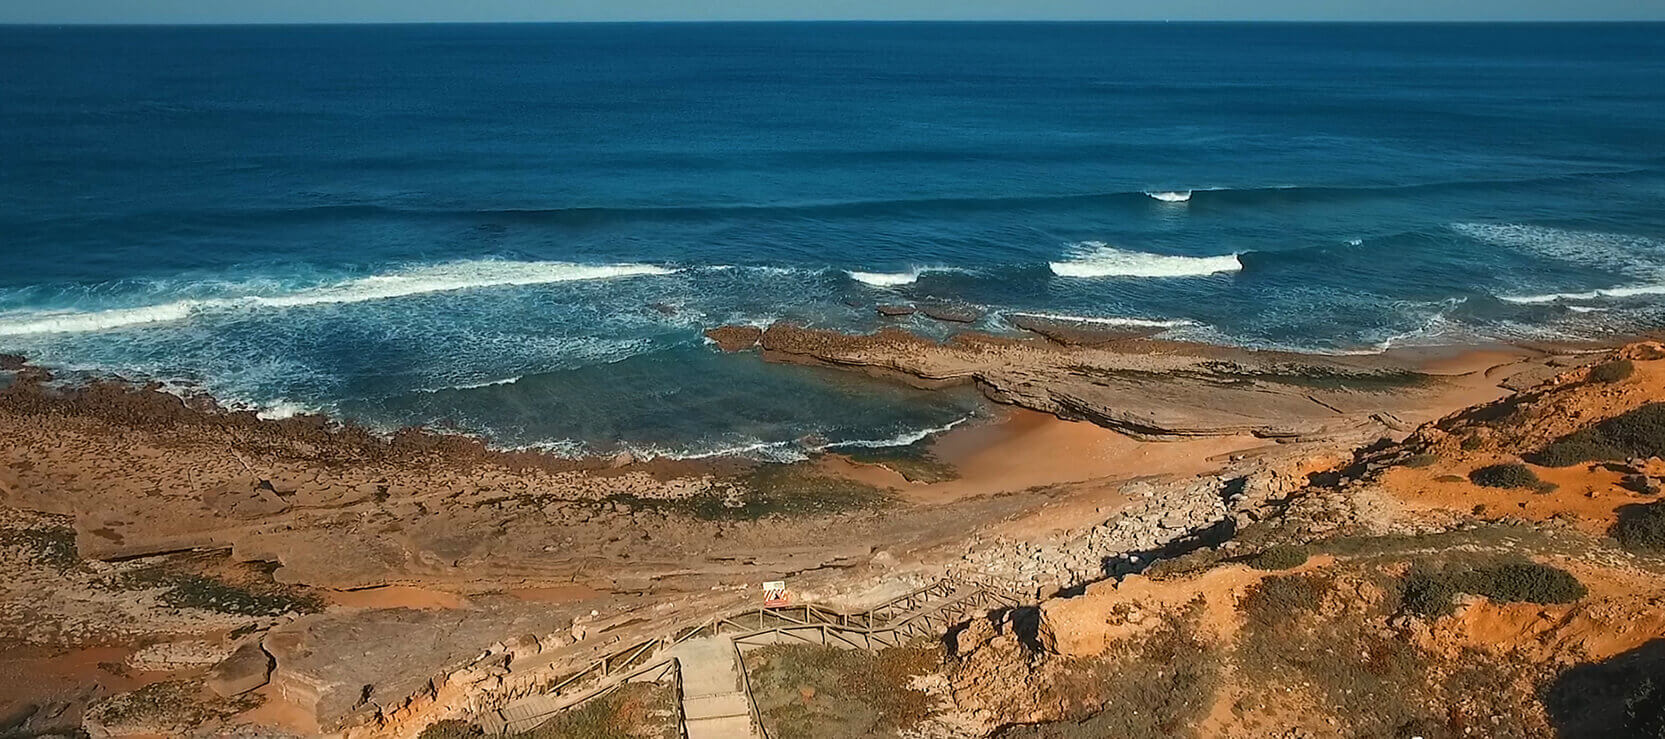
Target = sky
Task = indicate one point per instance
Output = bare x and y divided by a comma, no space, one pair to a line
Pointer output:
407,11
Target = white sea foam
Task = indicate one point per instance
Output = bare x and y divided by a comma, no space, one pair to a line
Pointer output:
1171,196
448,277
1098,259
281,409
472,385
1355,242
893,279
1110,320
906,438
1624,253
1630,291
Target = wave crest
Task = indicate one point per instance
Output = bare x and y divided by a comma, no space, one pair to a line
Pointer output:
1102,260
437,278
894,279
1170,196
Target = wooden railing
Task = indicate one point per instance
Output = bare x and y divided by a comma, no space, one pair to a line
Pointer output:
888,624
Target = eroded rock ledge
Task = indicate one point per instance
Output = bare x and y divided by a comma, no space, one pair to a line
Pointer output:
1142,387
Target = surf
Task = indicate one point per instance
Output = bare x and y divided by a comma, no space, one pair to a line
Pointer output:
424,280
1170,196
1099,259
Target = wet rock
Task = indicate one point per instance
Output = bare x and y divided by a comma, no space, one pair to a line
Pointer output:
12,362
895,311
1079,333
953,313
734,338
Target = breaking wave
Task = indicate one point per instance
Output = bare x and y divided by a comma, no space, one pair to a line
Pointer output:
1109,320
894,279
447,277
1612,292
1102,260
1172,196
906,438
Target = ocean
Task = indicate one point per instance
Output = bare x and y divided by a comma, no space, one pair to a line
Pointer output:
519,231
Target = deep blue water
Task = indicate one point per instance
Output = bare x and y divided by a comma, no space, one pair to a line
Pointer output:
370,220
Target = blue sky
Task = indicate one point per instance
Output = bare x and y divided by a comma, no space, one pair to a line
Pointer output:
363,11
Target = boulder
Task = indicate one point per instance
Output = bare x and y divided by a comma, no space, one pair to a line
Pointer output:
12,362
247,668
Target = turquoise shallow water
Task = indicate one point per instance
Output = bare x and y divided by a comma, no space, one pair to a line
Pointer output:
519,231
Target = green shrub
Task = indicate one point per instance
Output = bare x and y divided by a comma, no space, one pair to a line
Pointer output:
1645,711
1617,370
1430,591
451,729
1419,461
1279,558
1641,528
1510,475
1276,598
1471,442
1638,433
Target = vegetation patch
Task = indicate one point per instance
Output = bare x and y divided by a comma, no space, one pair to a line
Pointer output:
1419,461
1431,591
1282,557
1159,687
1645,710
52,547
1617,370
915,465
1641,528
191,590
771,490
1509,475
817,692
634,711
1637,433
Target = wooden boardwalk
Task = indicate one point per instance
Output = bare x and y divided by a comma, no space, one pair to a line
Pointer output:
715,702
706,661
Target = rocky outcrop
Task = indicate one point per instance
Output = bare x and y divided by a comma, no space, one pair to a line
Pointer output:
247,668
1144,388
12,362
952,313
734,338
1079,333
895,311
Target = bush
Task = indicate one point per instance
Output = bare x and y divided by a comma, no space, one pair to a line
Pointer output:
1641,528
1511,475
1419,461
1645,711
1638,433
1279,558
451,729
1471,442
1277,598
1617,370
1431,592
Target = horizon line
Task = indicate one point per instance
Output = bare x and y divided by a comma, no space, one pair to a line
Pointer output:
778,21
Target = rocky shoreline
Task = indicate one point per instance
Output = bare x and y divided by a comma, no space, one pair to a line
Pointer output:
1137,386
